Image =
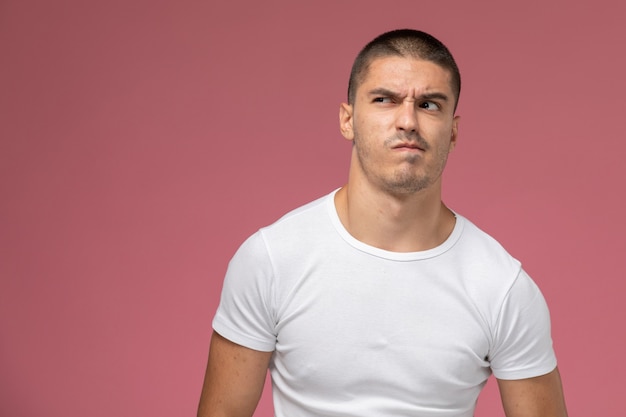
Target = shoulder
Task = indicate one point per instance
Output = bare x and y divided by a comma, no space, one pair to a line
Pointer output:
295,228
479,247
485,269
313,208
303,222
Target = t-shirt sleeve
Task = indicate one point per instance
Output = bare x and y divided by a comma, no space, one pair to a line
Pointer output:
523,344
245,314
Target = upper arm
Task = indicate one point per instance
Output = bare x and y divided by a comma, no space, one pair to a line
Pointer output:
234,379
540,396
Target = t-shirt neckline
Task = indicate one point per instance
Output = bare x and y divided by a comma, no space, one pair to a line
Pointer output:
382,253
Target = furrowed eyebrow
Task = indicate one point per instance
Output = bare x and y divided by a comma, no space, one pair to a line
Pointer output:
434,96
383,92
393,94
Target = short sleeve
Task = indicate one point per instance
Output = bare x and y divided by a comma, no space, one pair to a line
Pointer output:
244,315
522,345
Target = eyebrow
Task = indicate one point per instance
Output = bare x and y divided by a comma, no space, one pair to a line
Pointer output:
427,96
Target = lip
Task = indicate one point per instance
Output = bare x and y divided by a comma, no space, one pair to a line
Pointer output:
405,146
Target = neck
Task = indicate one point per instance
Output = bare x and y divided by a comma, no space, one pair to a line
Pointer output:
398,223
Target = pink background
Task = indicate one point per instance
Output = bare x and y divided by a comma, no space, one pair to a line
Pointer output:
142,141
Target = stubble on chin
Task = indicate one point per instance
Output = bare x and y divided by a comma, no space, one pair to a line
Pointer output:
404,179
407,183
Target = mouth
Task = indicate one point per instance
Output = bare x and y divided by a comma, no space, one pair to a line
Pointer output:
408,146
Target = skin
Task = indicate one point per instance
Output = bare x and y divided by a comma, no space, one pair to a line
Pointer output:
533,397
402,126
234,379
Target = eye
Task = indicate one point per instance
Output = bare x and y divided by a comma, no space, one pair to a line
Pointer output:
430,105
382,100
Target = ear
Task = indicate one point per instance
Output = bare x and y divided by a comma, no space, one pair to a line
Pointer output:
455,132
346,120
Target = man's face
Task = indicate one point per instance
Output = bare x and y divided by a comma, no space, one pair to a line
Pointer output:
402,125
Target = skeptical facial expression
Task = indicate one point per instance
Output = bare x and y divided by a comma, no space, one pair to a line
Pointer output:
402,125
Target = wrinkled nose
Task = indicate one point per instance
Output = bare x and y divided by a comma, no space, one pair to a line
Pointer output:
406,119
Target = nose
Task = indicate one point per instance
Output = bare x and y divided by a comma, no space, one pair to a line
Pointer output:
406,119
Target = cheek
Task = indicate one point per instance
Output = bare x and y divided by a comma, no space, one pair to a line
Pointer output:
443,135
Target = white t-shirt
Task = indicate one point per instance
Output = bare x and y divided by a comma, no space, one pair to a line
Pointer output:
360,331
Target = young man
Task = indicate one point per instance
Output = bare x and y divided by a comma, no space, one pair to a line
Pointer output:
378,300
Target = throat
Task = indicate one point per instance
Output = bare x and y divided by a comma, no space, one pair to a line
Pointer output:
395,226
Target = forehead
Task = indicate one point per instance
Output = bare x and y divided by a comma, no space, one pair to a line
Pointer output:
401,74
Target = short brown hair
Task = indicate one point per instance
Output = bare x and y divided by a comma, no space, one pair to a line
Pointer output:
405,43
